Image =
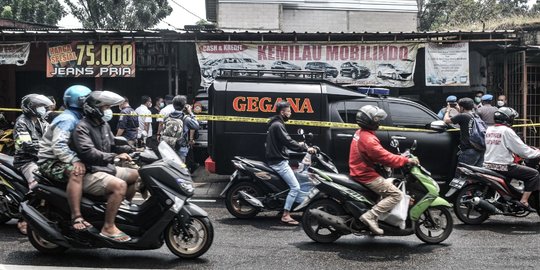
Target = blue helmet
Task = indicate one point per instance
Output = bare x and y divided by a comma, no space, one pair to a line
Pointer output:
75,95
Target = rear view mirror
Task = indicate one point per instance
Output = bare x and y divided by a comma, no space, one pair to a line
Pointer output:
300,131
438,126
119,140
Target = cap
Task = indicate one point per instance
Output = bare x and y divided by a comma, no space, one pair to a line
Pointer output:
451,99
168,97
487,97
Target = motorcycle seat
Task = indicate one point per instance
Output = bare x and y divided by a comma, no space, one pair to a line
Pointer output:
482,170
256,164
345,180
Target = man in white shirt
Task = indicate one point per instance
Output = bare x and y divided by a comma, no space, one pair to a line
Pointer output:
169,108
145,122
501,143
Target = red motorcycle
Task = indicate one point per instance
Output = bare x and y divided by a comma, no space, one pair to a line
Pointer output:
483,192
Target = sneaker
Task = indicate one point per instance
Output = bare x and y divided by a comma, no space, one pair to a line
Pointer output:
370,219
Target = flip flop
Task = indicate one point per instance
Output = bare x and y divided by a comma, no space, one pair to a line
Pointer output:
80,220
526,206
290,222
119,237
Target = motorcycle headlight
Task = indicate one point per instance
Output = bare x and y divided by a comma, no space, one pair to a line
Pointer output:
187,186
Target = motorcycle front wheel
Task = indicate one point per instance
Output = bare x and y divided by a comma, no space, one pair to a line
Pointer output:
190,241
319,232
434,225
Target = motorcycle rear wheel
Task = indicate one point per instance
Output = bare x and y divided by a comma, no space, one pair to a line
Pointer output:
236,206
318,232
196,243
434,219
466,212
43,245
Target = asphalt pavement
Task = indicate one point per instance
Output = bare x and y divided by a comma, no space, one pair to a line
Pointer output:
264,243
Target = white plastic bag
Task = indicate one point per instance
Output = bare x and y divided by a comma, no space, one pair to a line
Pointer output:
398,215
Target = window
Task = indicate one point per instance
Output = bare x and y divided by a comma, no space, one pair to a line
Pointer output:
408,115
353,107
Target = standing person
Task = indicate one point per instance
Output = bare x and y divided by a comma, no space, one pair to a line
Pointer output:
478,99
145,121
94,144
169,108
28,130
57,161
159,104
487,112
366,152
452,102
178,126
467,154
502,143
501,101
128,124
277,143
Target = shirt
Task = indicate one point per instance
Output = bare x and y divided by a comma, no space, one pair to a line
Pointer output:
501,142
130,124
165,112
154,110
55,142
487,114
142,120
465,122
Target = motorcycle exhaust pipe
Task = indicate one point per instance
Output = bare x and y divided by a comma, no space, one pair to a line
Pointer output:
328,219
250,199
485,205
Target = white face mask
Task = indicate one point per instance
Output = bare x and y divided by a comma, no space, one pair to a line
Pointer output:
500,103
41,111
107,115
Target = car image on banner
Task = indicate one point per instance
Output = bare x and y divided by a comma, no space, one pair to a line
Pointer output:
386,65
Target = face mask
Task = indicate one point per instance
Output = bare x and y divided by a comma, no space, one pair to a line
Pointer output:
162,105
285,118
477,100
107,115
41,111
500,103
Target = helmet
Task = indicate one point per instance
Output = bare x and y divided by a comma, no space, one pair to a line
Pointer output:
179,102
31,102
74,96
466,103
505,116
369,117
97,99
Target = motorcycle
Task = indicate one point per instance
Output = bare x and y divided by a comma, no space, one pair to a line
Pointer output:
166,217
13,188
7,144
336,210
255,187
482,193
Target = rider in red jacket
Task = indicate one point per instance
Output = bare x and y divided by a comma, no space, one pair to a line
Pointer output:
366,152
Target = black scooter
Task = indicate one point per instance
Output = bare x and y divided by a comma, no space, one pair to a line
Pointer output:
167,216
255,187
13,188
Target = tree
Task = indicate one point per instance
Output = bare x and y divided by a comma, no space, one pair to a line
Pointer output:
35,11
121,14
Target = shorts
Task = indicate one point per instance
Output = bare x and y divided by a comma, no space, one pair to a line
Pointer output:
56,170
96,183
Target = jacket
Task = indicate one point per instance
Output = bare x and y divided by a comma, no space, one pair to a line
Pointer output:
278,141
366,151
501,143
26,135
55,142
94,143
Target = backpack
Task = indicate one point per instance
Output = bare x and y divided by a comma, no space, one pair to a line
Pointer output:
173,131
477,133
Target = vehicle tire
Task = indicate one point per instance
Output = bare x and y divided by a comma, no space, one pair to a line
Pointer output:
236,206
334,75
463,211
43,245
379,74
199,240
354,75
4,218
434,219
313,229
394,76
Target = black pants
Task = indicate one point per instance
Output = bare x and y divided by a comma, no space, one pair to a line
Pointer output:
530,176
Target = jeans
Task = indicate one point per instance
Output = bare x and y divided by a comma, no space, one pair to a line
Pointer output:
528,175
183,152
287,174
471,157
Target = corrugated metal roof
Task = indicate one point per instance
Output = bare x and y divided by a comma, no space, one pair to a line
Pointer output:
365,5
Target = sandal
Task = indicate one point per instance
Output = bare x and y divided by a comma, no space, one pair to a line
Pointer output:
526,206
290,222
120,237
22,226
79,220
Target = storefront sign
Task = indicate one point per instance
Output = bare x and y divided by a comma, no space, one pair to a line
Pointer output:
447,64
14,54
390,65
82,59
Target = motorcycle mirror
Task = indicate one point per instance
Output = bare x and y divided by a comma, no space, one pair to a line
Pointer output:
394,143
119,140
300,131
413,147
309,136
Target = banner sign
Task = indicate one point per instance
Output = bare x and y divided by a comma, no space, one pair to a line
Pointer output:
390,64
87,59
447,64
14,54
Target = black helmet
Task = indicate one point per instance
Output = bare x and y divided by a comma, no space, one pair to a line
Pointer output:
282,105
466,103
369,117
179,102
31,102
505,116
98,99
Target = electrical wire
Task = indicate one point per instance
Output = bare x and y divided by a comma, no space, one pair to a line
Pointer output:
187,10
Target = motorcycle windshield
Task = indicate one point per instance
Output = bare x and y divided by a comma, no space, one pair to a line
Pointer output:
170,156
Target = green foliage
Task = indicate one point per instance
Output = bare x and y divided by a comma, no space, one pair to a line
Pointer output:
36,11
121,14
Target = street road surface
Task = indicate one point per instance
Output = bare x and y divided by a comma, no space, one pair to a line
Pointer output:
263,243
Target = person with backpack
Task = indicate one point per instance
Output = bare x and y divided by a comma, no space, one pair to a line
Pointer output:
502,143
128,123
472,133
177,127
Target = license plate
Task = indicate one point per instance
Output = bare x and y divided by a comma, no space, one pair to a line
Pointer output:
234,175
457,183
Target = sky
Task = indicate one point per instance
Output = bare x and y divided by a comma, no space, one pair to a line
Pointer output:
178,18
